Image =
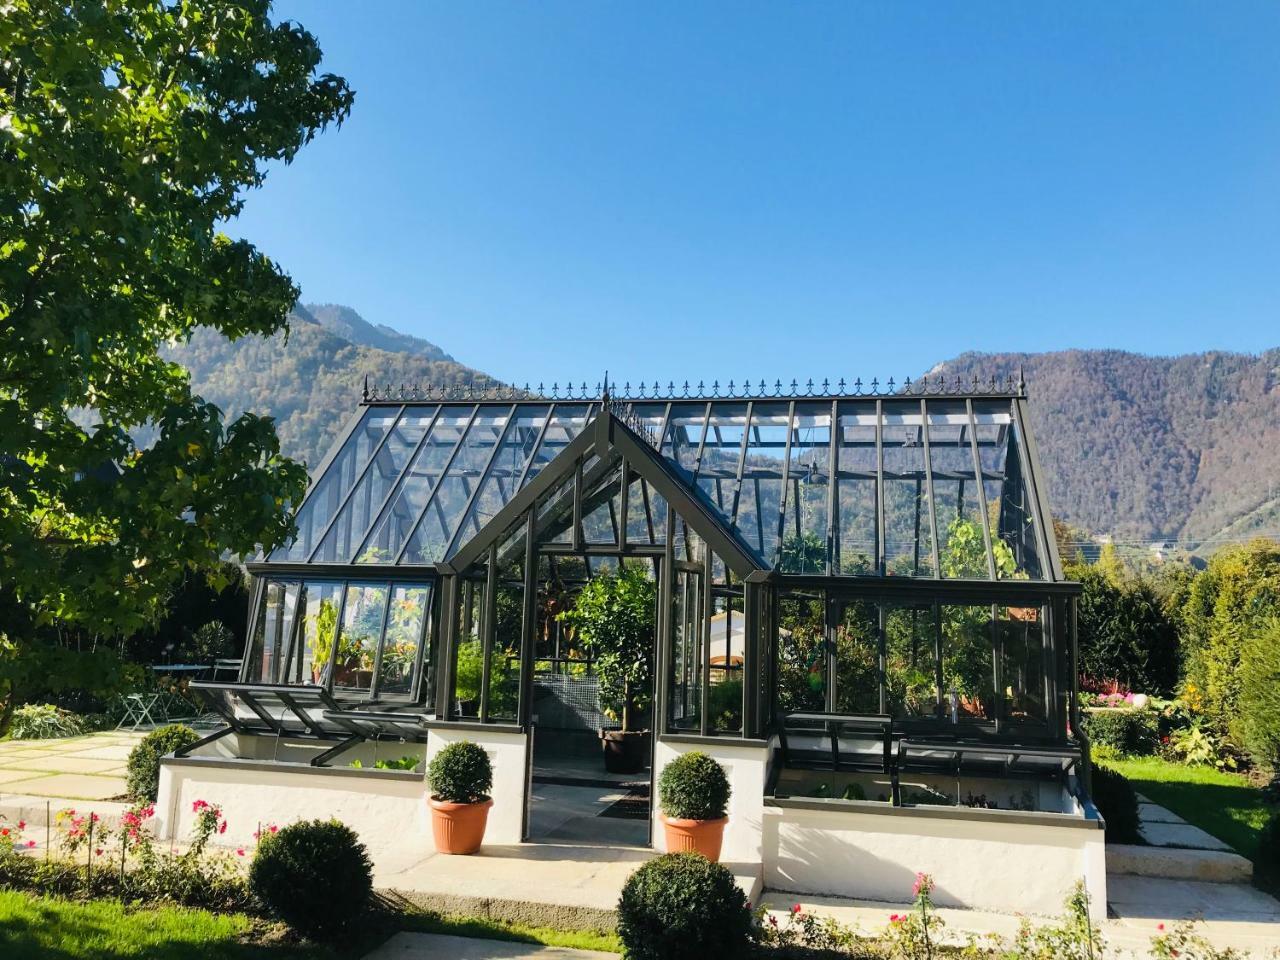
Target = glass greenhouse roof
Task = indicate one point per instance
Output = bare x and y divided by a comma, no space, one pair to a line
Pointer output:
893,486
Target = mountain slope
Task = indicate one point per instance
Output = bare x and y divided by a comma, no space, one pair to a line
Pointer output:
309,381
1179,447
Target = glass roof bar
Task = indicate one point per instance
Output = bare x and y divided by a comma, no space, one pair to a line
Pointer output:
742,462
982,492
786,483
880,544
928,482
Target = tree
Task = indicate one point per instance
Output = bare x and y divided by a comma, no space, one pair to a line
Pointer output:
1125,634
128,132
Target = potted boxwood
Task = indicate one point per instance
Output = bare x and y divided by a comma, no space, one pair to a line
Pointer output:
460,778
693,792
613,620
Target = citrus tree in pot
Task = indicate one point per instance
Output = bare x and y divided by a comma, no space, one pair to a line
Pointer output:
613,618
693,792
460,778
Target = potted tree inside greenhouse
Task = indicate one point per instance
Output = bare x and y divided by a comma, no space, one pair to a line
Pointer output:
460,777
693,792
613,617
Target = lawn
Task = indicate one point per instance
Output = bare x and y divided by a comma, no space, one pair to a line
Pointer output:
48,928
1222,804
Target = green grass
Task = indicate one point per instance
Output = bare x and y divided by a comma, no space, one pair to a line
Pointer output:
51,929
1221,804
34,926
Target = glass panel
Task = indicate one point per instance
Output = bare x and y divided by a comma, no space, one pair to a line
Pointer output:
908,543
684,692
856,523
445,511
857,639
567,421
1013,522
962,551
362,614
802,654
504,669
309,658
761,497
728,641
718,469
344,537
326,496
967,665
911,663
804,543
506,471
601,507
470,656
272,631
1021,633
684,435
399,516
646,513
408,615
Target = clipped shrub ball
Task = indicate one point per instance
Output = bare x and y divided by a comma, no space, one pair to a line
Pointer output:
1129,733
693,786
680,906
315,875
460,773
144,760
1118,803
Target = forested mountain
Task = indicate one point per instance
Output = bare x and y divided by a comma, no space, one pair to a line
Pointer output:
1179,447
310,379
1140,447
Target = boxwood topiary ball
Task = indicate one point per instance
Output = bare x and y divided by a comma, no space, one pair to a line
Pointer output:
693,786
682,906
143,766
315,875
460,773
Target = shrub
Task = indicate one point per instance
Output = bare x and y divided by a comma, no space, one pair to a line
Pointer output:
1116,800
1125,633
694,787
315,875
44,721
144,759
682,905
460,773
1127,732
1259,718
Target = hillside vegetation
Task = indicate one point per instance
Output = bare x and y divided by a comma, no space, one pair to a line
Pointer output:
1140,447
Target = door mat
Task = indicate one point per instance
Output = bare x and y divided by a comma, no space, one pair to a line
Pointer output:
634,806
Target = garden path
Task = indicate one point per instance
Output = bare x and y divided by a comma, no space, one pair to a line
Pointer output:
431,946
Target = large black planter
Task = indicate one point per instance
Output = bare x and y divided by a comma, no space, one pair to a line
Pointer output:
625,752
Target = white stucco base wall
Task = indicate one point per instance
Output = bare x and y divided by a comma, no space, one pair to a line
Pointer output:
507,752
387,809
747,766
1012,864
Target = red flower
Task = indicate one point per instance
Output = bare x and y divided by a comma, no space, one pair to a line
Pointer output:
240,852
1159,926
795,908
273,828
31,844
98,852
223,827
4,831
22,824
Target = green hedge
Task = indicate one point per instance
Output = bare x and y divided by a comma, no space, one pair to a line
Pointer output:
143,766
682,906
1127,732
315,875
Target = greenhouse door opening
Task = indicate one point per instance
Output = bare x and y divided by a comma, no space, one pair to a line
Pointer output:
590,781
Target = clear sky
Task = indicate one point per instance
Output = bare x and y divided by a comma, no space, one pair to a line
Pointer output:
788,189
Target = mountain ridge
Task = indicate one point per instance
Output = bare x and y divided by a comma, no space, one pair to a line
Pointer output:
1183,447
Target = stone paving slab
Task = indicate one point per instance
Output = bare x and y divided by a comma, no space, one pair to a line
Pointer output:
71,786
108,752
66,764
430,946
1149,812
1180,835
9,776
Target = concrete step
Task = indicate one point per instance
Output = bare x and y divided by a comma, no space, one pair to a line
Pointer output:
1172,863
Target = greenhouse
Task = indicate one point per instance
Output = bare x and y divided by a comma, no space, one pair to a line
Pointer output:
852,598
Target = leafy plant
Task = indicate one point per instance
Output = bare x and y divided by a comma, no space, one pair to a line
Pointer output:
1184,943
680,906
44,721
915,934
613,617
298,870
460,773
1259,721
208,643
1127,732
1267,857
129,142
1117,801
143,765
694,786
404,763
1075,938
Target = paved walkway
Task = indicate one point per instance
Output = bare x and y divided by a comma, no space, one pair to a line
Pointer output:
74,768
430,946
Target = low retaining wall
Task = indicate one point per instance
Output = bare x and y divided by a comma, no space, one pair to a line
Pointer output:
982,859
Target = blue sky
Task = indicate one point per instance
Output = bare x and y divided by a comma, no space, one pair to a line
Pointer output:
790,189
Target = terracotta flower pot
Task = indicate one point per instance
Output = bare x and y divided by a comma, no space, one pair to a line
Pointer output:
459,827
695,836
